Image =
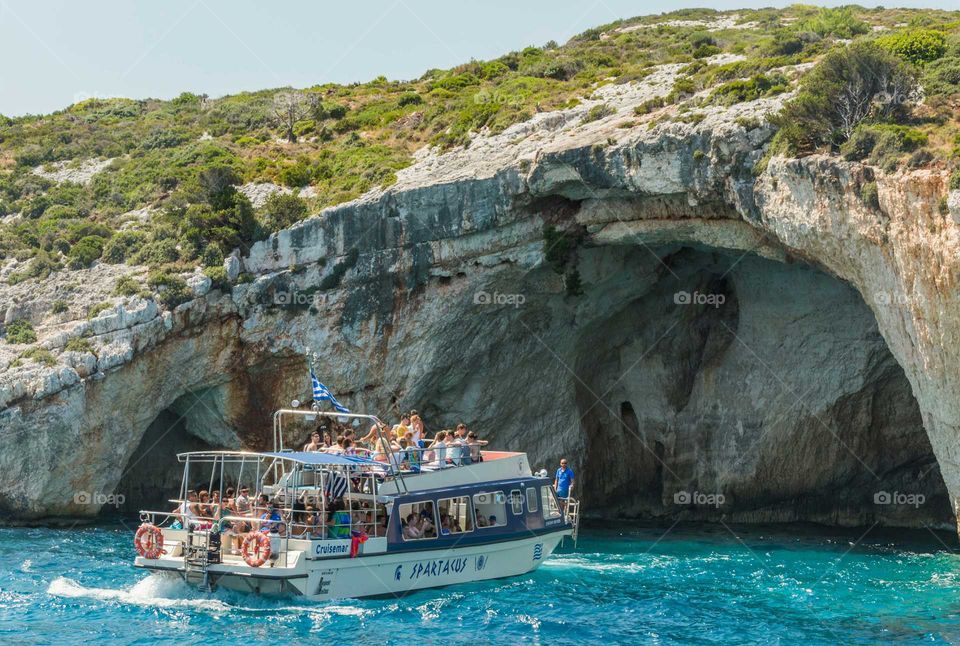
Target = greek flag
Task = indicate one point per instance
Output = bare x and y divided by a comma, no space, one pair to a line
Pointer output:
321,393
335,485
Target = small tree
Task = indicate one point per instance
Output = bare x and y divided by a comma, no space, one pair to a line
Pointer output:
288,109
848,86
282,211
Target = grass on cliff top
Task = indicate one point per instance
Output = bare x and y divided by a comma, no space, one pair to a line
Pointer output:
178,156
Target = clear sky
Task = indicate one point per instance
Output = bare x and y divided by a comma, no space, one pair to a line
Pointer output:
56,52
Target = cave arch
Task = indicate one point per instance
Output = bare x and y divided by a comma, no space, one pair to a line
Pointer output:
764,382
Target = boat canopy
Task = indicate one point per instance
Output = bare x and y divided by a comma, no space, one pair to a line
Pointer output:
319,458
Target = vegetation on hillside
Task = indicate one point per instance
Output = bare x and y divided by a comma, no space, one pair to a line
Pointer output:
890,97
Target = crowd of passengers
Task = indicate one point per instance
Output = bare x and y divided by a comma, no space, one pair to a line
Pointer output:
416,526
404,445
306,518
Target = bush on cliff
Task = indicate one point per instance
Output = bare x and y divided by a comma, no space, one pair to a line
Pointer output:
281,211
171,290
87,250
20,331
849,86
917,46
838,22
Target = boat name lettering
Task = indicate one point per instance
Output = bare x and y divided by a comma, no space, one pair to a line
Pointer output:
437,567
325,549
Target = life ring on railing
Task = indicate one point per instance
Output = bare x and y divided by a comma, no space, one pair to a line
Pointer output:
149,541
255,548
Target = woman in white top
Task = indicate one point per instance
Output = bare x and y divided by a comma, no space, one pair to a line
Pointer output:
439,449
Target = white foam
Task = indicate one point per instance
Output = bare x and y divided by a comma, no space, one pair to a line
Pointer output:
155,590
166,592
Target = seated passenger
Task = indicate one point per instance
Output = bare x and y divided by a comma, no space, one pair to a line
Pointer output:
339,526
314,444
411,530
482,521
493,520
427,528
444,525
274,521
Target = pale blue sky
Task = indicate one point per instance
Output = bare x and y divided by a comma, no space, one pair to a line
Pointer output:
54,53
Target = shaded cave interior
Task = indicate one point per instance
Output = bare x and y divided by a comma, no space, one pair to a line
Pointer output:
761,384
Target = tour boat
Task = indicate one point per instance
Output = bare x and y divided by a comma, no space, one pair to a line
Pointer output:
396,528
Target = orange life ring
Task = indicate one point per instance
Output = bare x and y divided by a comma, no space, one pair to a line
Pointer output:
255,548
149,541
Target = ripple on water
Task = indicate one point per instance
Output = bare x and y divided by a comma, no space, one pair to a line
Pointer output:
636,587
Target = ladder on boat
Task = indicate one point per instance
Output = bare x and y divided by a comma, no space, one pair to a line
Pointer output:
571,512
199,551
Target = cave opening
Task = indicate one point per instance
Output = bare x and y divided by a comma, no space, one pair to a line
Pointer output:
723,377
153,474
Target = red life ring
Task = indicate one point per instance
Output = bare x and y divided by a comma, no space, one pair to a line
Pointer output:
255,548
149,541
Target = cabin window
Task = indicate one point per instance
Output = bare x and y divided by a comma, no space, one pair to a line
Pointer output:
516,502
418,521
532,505
550,507
491,508
455,516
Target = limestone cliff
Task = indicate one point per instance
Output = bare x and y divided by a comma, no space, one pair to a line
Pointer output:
769,338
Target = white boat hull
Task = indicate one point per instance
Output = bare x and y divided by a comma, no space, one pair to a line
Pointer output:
384,574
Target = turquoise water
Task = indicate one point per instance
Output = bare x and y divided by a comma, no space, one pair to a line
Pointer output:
623,585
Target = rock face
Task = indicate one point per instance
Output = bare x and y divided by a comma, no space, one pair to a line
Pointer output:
753,348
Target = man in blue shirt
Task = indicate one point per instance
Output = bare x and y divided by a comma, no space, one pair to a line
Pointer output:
563,481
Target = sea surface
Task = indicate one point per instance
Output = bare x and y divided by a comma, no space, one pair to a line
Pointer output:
625,584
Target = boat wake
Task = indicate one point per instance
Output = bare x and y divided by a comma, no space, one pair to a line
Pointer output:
156,590
171,593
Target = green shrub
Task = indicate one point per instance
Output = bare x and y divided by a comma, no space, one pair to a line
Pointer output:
171,290
122,246
882,144
212,255
649,106
158,252
127,286
77,344
40,356
838,22
20,331
85,252
749,90
217,276
918,46
942,76
869,195
598,112
59,307
955,180
96,310
850,85
282,211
